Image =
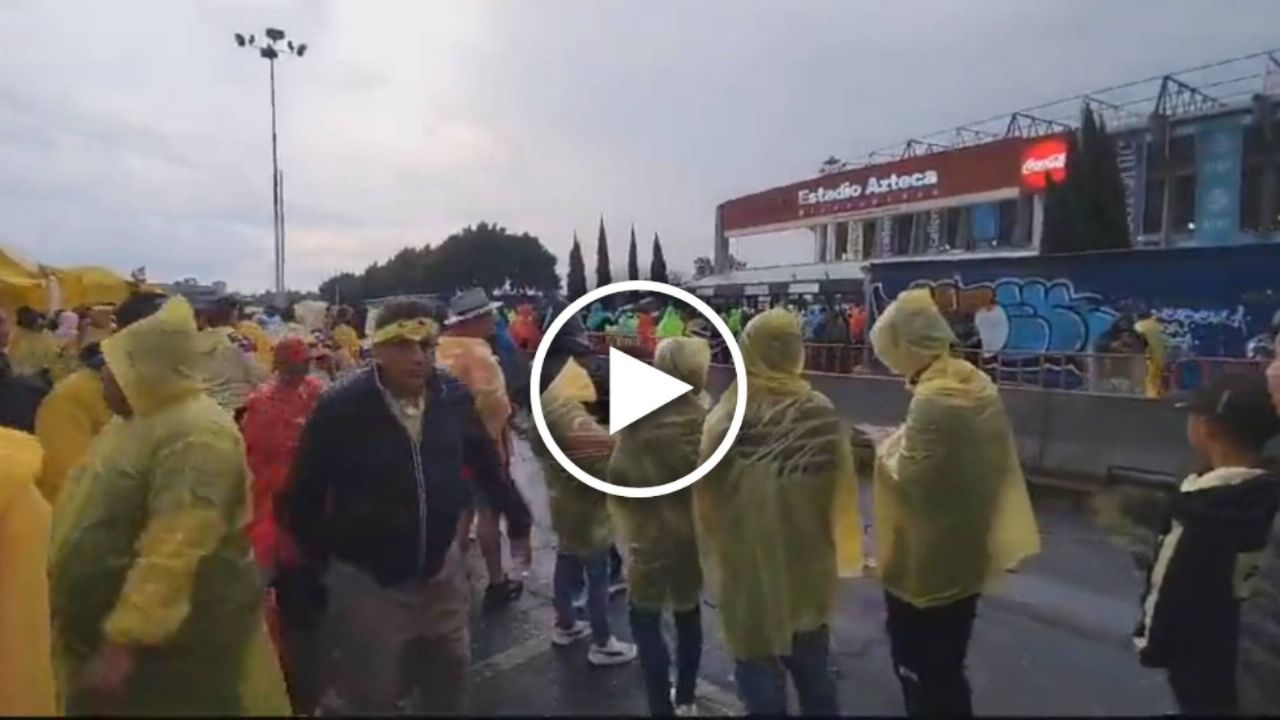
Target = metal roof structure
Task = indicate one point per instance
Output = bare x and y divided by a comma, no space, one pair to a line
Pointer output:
1204,88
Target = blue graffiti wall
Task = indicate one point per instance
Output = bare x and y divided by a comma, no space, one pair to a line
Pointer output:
1211,301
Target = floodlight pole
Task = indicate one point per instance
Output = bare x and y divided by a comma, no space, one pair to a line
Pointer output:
273,43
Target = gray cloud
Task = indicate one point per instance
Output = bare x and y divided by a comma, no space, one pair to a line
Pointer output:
135,132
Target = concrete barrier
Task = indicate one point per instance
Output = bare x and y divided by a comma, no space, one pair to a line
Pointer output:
1072,435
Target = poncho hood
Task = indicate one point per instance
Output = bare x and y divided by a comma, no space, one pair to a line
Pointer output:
153,359
911,333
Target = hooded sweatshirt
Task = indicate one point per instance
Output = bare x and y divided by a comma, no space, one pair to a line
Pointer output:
1206,562
26,667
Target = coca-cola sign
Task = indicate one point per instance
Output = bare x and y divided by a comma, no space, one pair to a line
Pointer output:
1047,158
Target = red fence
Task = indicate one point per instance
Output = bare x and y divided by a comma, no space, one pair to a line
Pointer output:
1102,373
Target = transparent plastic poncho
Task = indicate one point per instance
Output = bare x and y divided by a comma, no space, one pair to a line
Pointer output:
661,547
579,513
951,508
149,548
778,518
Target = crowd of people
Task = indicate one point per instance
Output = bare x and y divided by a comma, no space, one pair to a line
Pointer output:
203,513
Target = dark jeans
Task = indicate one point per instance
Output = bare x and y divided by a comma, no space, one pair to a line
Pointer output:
655,659
567,583
762,684
928,646
300,601
1205,688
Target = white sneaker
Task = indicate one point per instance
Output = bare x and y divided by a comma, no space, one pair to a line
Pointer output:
614,652
562,636
690,710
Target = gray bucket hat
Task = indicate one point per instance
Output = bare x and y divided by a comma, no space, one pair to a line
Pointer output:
470,303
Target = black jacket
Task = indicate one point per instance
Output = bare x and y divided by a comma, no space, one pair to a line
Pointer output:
1205,562
20,397
363,494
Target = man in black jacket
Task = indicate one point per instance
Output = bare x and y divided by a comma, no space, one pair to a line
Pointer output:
20,395
376,509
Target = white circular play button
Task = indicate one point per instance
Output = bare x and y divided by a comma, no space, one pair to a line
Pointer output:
637,389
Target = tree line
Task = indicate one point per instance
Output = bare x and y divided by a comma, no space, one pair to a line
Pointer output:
576,281
485,255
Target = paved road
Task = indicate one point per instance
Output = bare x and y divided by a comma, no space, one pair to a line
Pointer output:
1054,641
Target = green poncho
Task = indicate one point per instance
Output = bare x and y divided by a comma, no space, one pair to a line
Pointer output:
579,513
149,548
952,512
671,325
662,549
778,518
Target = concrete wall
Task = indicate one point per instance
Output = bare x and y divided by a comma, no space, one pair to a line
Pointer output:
1061,434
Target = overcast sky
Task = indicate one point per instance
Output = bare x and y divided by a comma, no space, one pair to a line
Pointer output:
137,133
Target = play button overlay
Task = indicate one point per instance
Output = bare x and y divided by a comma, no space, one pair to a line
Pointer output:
637,389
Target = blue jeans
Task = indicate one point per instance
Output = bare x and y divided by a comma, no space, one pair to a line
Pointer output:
762,684
655,658
569,574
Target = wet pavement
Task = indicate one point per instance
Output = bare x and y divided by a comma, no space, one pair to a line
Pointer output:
1054,640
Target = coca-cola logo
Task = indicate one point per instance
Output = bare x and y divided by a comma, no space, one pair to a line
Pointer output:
1046,158
1057,161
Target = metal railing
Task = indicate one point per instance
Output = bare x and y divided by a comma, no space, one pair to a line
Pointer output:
1099,373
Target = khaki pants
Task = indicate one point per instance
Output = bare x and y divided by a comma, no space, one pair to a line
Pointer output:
405,649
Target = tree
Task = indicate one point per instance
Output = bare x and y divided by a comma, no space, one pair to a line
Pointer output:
576,282
657,265
633,262
484,255
604,275
1086,211
702,267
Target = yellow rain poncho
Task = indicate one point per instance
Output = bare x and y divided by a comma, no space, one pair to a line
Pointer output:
952,512
229,373
663,570
471,360
347,340
71,415
32,351
1153,379
26,667
262,347
149,549
778,518
579,514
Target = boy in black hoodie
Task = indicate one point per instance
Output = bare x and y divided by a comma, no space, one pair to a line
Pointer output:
1208,554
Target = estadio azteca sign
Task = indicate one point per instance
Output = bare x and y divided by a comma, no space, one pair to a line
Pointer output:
1008,164
892,182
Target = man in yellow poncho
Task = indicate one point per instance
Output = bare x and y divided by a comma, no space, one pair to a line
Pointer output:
74,412
1153,379
579,513
263,348
26,670
156,603
229,373
778,521
952,512
344,334
663,571
33,350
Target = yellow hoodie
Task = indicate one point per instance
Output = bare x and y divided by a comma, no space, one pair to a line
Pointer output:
26,664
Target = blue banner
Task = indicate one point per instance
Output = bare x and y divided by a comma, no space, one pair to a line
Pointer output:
1219,146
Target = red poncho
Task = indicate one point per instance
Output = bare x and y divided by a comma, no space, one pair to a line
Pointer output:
273,420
